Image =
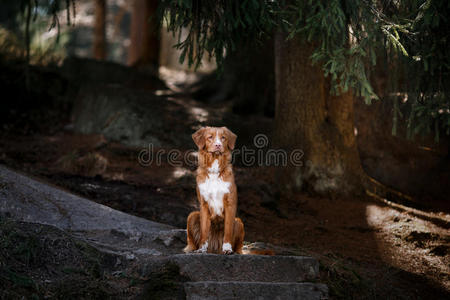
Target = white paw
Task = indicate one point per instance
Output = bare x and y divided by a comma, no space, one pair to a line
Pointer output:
203,248
226,248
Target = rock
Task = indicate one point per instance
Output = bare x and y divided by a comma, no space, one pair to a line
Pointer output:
170,237
133,118
254,290
213,267
29,200
130,256
146,251
32,201
212,276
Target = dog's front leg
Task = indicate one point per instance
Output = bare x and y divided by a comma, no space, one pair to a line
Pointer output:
205,226
230,214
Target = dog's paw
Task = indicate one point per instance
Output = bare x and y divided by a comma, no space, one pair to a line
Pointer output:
226,249
199,251
203,248
188,249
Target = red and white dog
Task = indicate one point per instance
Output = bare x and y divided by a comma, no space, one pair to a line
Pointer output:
215,228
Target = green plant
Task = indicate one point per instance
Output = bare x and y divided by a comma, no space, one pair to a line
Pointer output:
350,38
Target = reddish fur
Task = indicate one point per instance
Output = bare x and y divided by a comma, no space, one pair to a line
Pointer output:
204,225
215,239
262,252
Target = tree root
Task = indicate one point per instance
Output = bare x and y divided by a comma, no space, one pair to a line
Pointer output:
403,203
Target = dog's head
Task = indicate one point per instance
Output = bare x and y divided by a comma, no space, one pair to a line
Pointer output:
214,139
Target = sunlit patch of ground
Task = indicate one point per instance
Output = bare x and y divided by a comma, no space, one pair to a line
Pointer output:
174,78
411,243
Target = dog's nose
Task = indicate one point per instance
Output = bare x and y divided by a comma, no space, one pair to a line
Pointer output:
217,146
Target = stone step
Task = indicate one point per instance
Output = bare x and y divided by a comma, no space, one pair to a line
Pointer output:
249,268
254,290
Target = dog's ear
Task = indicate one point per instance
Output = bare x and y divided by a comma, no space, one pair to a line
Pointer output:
231,138
199,138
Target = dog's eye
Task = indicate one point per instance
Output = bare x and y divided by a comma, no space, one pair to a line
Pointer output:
223,138
209,137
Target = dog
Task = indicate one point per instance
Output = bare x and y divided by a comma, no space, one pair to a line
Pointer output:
215,228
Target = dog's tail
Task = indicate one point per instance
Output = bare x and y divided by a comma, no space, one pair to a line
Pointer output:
259,252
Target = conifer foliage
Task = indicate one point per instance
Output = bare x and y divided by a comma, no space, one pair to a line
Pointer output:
350,38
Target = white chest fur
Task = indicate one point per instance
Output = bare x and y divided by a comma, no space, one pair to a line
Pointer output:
214,188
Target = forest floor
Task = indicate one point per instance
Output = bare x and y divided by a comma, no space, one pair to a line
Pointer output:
41,262
367,248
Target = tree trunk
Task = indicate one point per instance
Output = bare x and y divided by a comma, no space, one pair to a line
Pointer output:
99,30
307,117
144,45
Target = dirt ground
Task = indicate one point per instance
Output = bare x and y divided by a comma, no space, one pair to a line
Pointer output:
367,248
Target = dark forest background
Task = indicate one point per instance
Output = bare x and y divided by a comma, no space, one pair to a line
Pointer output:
360,87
